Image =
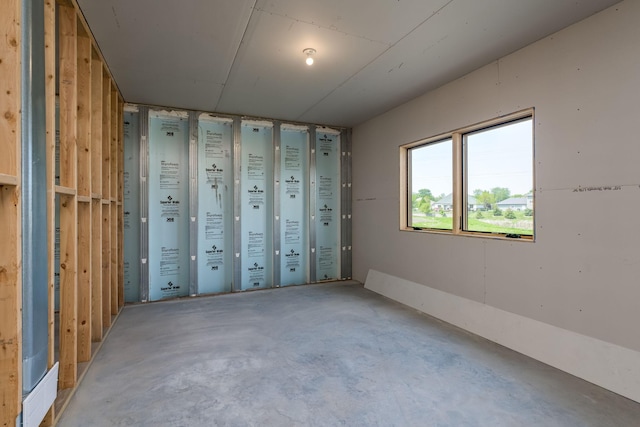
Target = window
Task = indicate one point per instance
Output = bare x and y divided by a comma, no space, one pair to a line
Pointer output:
472,181
431,186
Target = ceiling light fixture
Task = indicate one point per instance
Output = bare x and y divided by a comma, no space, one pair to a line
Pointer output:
309,52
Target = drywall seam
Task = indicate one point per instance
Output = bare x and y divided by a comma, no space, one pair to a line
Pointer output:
608,365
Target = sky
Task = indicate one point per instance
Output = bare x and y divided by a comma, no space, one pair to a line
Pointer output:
497,157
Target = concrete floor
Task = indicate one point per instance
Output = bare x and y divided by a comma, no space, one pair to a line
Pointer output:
321,355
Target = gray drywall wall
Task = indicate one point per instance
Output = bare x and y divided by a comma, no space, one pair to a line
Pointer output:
582,273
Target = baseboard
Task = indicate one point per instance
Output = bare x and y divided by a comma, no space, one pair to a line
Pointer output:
36,405
610,366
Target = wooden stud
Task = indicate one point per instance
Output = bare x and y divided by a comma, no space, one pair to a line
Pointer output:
106,136
84,108
96,123
83,124
68,95
10,203
106,264
96,270
96,189
10,304
114,142
106,194
50,108
114,194
84,282
10,87
68,373
114,258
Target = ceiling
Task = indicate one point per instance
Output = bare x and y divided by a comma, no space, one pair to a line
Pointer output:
245,56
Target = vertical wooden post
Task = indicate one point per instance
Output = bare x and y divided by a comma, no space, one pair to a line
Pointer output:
84,194
106,201
68,207
10,245
114,200
106,263
96,195
50,107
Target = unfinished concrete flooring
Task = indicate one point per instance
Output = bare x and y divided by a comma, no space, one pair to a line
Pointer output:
321,355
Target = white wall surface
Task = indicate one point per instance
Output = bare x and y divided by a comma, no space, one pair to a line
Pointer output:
582,273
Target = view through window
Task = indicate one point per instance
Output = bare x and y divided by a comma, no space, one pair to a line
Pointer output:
432,185
493,191
499,175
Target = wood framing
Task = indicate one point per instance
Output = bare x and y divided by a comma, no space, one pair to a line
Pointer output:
68,86
106,137
96,194
84,281
10,226
113,196
10,302
84,191
106,200
74,66
67,40
114,257
50,125
84,128
68,371
106,264
96,270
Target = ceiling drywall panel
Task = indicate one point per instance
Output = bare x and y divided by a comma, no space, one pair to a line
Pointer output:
182,92
463,36
245,56
378,20
158,48
252,88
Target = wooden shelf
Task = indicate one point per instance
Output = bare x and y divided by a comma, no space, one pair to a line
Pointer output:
84,199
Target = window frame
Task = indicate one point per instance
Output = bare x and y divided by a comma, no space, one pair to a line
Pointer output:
460,179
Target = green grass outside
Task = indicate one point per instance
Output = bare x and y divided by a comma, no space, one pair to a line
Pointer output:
475,224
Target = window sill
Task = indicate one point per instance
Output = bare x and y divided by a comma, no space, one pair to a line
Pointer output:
491,236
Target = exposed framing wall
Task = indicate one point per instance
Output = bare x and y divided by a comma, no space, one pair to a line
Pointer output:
90,159
91,134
